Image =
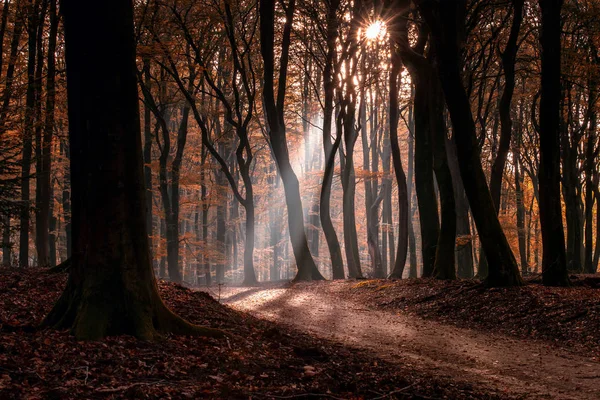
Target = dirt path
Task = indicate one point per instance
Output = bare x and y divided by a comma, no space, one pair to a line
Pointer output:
517,367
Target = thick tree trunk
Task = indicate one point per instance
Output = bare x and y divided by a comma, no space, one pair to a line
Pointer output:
442,19
424,181
554,262
111,288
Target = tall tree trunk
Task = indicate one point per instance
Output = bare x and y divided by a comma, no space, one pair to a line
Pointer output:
205,206
24,220
6,243
508,57
590,162
349,194
66,198
396,28
412,245
464,252
444,267
44,146
370,166
274,228
111,288
330,149
422,75
274,112
554,262
42,200
445,19
148,154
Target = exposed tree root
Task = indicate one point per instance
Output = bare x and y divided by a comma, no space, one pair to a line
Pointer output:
92,313
64,266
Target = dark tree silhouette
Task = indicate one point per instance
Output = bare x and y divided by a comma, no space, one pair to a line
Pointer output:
274,114
554,261
111,288
445,19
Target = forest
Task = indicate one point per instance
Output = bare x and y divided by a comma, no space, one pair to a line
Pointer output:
299,199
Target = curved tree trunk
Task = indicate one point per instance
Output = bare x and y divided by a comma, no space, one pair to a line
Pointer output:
273,106
424,126
442,19
401,253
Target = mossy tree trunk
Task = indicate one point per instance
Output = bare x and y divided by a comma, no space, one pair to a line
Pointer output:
111,288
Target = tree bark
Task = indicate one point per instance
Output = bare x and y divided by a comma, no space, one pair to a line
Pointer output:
444,22
330,149
28,133
396,29
554,262
273,106
111,288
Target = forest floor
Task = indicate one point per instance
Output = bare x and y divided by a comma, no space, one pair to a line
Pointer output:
259,359
531,342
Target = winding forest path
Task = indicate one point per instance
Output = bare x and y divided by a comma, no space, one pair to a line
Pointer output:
517,367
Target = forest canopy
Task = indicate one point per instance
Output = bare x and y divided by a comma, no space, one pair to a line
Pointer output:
325,139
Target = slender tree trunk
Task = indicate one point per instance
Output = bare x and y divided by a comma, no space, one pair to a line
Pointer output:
396,29
6,242
335,251
274,107
204,199
590,163
44,143
274,227
412,245
148,154
464,253
5,11
30,104
66,198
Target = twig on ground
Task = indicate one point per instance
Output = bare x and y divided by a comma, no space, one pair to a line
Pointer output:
394,392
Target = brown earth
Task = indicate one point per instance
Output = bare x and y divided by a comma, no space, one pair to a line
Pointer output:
499,356
260,360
